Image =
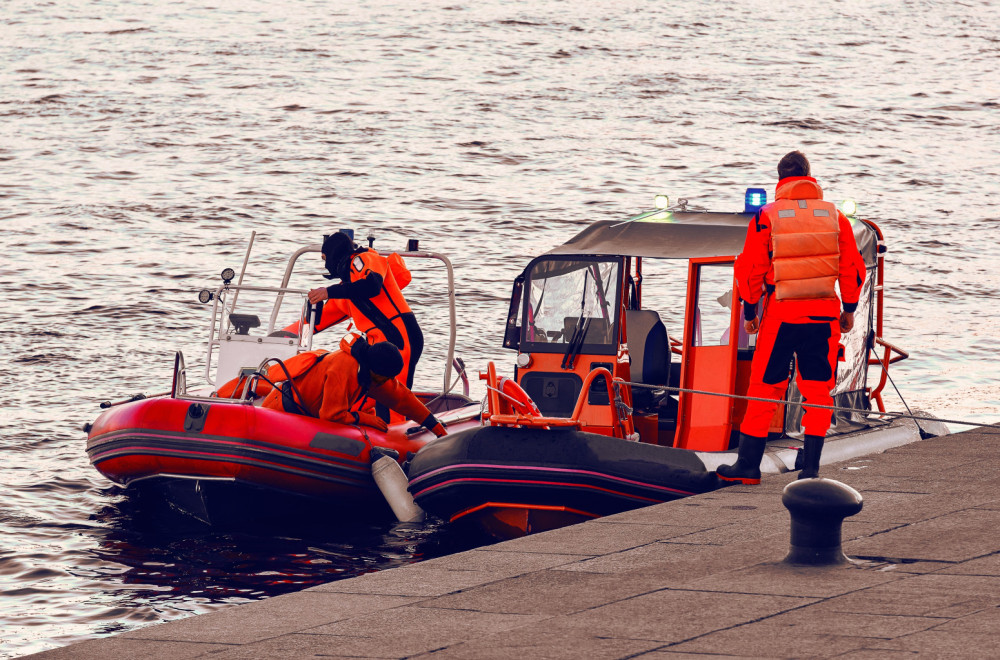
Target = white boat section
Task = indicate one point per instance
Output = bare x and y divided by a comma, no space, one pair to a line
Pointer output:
780,457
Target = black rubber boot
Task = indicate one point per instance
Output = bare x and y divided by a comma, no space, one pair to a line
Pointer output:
811,452
746,469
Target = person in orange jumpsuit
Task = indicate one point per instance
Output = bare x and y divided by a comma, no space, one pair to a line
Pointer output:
373,298
798,249
341,386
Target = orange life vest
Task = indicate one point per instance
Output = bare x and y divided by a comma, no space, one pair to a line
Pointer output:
805,248
296,365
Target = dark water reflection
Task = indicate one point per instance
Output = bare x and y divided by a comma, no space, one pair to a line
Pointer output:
142,564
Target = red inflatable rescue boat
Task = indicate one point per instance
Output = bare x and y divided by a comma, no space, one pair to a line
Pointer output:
213,457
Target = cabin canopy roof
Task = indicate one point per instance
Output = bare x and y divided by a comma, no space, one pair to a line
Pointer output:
686,235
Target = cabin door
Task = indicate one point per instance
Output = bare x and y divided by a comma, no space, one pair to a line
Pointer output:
708,358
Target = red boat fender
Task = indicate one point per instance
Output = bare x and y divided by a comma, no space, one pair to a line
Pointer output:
518,398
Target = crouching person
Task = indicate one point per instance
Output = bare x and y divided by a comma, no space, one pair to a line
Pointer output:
344,385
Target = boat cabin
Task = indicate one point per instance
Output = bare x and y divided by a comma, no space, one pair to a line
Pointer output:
634,329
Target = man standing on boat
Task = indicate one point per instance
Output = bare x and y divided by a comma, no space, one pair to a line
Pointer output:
373,297
797,249
341,386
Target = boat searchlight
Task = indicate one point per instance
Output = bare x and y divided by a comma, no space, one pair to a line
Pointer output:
205,296
228,275
849,207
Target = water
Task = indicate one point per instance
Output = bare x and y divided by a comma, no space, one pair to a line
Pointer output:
142,142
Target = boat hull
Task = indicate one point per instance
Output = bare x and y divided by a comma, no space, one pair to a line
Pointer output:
514,481
184,450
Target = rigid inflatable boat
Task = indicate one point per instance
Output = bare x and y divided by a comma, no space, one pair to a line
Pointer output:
608,410
213,457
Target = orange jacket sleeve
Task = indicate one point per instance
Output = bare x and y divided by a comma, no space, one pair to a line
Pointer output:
754,262
397,397
852,266
334,311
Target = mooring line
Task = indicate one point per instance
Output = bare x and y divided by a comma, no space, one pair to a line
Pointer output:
811,405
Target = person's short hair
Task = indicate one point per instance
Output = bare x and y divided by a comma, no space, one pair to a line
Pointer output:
794,163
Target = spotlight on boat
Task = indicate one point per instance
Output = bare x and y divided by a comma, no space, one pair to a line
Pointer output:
205,296
849,207
228,275
661,201
754,199
524,360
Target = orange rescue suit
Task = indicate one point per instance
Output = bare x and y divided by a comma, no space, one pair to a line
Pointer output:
372,296
796,250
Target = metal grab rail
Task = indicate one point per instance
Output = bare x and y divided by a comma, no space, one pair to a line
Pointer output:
887,358
420,254
219,322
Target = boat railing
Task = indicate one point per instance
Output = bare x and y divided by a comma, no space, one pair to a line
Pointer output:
255,348
891,355
409,254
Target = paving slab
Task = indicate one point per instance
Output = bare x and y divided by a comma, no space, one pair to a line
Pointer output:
768,642
780,579
699,576
268,618
414,581
412,630
543,644
922,539
940,644
119,648
591,538
546,592
671,615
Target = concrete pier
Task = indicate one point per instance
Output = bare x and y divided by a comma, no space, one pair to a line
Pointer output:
700,576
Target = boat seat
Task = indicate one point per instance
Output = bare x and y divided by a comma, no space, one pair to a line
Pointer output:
649,350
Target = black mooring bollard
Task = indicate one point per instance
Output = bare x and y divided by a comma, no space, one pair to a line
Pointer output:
818,508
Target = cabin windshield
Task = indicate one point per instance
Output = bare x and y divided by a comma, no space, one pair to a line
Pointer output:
572,303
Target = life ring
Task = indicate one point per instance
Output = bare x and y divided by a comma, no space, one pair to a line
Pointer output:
518,398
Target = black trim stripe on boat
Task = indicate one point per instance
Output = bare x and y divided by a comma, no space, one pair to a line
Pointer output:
180,446
602,485
98,443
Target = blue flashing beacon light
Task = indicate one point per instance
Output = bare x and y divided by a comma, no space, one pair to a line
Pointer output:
755,198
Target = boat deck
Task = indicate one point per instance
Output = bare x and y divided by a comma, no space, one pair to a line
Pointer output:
701,575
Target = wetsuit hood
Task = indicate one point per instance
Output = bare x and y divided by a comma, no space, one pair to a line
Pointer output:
798,187
337,249
382,358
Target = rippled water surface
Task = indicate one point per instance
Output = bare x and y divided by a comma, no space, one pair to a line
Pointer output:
142,142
